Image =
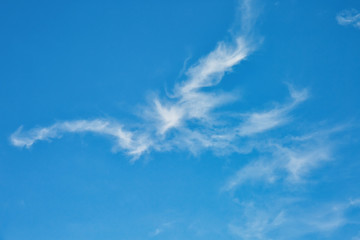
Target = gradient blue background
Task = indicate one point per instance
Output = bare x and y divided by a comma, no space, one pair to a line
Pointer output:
63,60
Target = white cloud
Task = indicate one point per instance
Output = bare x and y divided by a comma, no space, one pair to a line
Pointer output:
301,161
210,70
349,17
288,219
133,144
160,229
168,116
192,124
253,172
258,122
189,119
257,226
189,101
289,159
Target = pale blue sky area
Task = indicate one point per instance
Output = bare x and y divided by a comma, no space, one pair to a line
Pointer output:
179,120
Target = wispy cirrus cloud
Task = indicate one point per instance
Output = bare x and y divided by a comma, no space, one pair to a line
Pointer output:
258,122
289,159
133,143
290,219
256,223
160,229
189,103
349,17
191,117
208,131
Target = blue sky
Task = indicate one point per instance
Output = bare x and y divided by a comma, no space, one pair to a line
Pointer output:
179,120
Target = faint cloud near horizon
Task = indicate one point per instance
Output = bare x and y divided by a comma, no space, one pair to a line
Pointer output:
349,17
291,219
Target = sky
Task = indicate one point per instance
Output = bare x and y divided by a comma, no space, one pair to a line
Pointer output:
216,120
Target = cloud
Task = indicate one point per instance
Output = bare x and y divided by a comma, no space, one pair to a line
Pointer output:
188,119
253,172
281,218
349,17
160,229
133,144
192,118
288,159
256,223
258,122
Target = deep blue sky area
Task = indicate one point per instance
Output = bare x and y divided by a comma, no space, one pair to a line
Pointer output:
264,147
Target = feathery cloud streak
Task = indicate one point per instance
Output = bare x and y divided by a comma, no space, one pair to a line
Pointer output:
190,119
288,159
126,140
189,113
290,219
349,17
